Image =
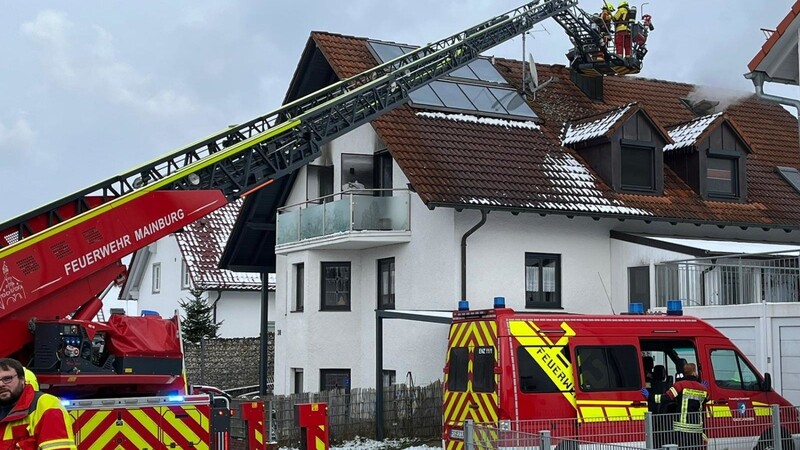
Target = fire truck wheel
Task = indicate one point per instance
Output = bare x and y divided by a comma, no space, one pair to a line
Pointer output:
765,441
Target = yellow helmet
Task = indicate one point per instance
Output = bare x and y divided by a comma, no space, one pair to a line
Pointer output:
623,4
30,378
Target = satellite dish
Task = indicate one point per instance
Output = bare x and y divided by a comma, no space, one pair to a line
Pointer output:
533,79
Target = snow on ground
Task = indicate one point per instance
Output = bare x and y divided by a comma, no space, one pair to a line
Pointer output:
389,444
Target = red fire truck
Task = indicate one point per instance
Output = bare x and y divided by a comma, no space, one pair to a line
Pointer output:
124,378
582,376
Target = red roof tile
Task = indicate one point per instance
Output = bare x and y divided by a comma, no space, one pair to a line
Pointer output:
481,164
773,39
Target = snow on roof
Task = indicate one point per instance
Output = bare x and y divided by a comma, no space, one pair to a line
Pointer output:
590,129
482,120
687,134
202,243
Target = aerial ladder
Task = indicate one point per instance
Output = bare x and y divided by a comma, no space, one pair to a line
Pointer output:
57,259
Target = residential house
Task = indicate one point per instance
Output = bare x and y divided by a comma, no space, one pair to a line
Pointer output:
163,274
475,190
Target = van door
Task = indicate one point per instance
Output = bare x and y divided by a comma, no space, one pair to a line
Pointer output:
470,380
609,377
739,411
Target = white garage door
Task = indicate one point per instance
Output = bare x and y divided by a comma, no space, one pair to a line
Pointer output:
790,363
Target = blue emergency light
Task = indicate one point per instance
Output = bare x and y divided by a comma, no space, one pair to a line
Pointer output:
674,308
499,302
175,398
636,308
463,305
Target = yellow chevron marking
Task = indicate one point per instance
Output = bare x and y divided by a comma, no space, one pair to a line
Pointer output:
146,422
259,437
319,444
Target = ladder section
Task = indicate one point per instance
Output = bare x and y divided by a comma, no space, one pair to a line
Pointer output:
242,157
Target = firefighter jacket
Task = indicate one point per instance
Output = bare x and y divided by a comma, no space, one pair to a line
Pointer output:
690,396
37,422
621,19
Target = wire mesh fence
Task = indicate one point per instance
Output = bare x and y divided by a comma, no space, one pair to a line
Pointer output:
721,427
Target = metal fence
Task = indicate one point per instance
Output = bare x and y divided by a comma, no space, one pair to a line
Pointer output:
409,412
723,428
730,280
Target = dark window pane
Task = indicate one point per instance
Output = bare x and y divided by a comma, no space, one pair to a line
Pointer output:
483,370
457,372
386,283
513,102
639,286
299,293
638,168
608,368
721,176
533,370
451,95
791,175
336,286
357,172
542,281
425,96
334,379
388,52
486,71
483,99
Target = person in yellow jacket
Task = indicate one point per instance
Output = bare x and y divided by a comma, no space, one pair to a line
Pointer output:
30,378
30,420
622,30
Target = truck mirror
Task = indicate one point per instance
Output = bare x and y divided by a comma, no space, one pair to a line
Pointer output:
766,385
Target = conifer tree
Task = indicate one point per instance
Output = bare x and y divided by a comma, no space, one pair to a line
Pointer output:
197,322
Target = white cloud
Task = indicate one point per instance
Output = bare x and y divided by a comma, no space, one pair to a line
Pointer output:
16,141
86,62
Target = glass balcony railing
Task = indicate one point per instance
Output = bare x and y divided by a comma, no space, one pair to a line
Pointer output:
347,212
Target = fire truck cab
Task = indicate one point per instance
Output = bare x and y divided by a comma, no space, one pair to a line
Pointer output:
588,372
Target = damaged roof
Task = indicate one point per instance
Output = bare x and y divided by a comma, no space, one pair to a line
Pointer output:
478,163
202,242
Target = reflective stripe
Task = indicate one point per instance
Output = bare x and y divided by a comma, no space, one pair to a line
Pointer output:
59,443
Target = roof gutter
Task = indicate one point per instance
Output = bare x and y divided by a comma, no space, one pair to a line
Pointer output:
758,78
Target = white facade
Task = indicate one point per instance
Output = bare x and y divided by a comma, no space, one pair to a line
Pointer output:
594,279
239,311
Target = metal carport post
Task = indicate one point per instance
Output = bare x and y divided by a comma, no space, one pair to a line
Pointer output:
380,314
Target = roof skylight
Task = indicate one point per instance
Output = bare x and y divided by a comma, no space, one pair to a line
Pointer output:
791,175
476,88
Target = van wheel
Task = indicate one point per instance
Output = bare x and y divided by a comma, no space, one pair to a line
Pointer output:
765,440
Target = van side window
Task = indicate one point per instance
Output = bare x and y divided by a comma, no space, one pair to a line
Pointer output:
731,371
612,368
536,376
457,373
483,370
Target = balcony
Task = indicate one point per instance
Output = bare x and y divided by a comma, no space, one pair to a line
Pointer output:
351,220
730,280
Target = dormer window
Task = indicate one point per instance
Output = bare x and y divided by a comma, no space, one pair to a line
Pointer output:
722,176
638,167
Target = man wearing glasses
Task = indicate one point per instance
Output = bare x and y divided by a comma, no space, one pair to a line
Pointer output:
30,420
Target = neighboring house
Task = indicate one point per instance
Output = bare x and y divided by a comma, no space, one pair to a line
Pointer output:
552,200
164,273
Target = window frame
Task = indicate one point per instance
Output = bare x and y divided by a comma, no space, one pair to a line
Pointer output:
298,294
734,160
646,302
391,284
324,372
540,257
622,170
156,278
348,294
186,281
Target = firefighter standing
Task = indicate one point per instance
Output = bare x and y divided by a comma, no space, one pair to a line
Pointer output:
30,420
622,30
690,396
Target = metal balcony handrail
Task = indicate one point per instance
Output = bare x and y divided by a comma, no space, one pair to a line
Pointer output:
340,195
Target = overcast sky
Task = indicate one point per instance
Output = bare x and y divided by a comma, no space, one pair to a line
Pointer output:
91,88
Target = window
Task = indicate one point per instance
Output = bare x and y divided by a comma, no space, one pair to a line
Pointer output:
299,290
297,381
335,286
638,168
357,172
791,175
639,286
334,379
185,279
389,377
542,280
722,177
386,283
383,173
156,278
534,374
483,370
609,368
457,369
731,371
